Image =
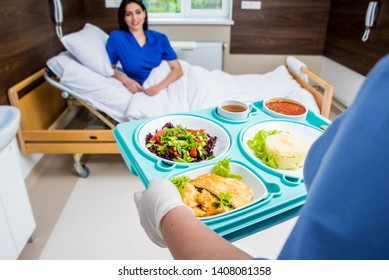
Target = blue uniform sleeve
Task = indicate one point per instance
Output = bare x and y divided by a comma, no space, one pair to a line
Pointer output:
346,171
168,51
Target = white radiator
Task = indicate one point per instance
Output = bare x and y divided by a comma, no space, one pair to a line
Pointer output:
208,55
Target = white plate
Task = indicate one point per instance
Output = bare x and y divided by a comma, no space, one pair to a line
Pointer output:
249,178
223,141
301,131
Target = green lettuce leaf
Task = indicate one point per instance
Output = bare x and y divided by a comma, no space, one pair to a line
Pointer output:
222,168
225,201
258,146
180,182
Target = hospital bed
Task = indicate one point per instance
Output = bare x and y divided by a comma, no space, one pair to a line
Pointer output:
61,113
51,124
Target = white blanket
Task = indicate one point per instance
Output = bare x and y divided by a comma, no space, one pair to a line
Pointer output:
198,88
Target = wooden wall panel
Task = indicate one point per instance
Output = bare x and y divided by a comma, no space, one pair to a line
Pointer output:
28,37
280,27
96,13
345,29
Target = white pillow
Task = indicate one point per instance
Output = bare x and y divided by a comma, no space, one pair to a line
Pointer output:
88,46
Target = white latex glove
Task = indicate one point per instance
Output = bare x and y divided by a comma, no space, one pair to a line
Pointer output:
153,204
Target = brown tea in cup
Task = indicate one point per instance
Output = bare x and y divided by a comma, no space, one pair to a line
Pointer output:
235,108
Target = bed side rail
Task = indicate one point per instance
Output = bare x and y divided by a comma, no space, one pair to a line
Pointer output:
66,92
44,115
39,103
321,90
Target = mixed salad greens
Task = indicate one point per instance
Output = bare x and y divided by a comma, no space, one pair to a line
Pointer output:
222,168
180,144
258,146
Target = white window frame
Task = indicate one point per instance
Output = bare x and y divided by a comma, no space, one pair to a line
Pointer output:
195,16
188,15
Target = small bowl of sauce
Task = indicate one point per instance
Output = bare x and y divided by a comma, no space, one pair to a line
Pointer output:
284,107
234,110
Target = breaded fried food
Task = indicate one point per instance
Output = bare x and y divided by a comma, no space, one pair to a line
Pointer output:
201,201
190,194
198,212
207,202
215,184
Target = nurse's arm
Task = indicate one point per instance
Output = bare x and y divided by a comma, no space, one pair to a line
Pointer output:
188,238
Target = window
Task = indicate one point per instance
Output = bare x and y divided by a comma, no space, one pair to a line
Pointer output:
189,9
186,11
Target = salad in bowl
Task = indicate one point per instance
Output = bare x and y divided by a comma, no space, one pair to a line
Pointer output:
184,140
177,143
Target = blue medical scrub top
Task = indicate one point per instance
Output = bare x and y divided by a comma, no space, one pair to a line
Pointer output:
137,61
346,215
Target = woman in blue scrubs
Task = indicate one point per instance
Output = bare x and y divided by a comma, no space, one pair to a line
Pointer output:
346,212
139,50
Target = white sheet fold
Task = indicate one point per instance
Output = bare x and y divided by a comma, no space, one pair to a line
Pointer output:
198,88
104,93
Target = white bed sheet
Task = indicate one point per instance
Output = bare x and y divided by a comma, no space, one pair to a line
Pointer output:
104,93
198,88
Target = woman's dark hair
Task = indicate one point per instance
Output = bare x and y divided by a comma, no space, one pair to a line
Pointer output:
122,13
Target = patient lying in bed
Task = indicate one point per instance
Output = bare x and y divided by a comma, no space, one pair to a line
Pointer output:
198,88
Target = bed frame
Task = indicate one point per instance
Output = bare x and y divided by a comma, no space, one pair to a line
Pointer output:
47,118
318,87
46,123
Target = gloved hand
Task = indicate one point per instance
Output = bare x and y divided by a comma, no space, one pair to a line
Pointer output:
153,204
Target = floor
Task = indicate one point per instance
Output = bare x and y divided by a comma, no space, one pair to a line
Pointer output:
95,218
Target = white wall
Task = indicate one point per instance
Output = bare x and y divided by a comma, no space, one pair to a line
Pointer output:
345,81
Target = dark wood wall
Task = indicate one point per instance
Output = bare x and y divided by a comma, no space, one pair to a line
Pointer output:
28,37
96,13
280,27
345,29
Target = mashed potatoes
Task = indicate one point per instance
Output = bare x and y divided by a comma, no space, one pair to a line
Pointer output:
288,151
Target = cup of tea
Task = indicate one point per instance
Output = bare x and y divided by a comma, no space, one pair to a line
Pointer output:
234,110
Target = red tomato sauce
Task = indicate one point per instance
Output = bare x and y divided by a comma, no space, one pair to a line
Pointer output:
286,108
